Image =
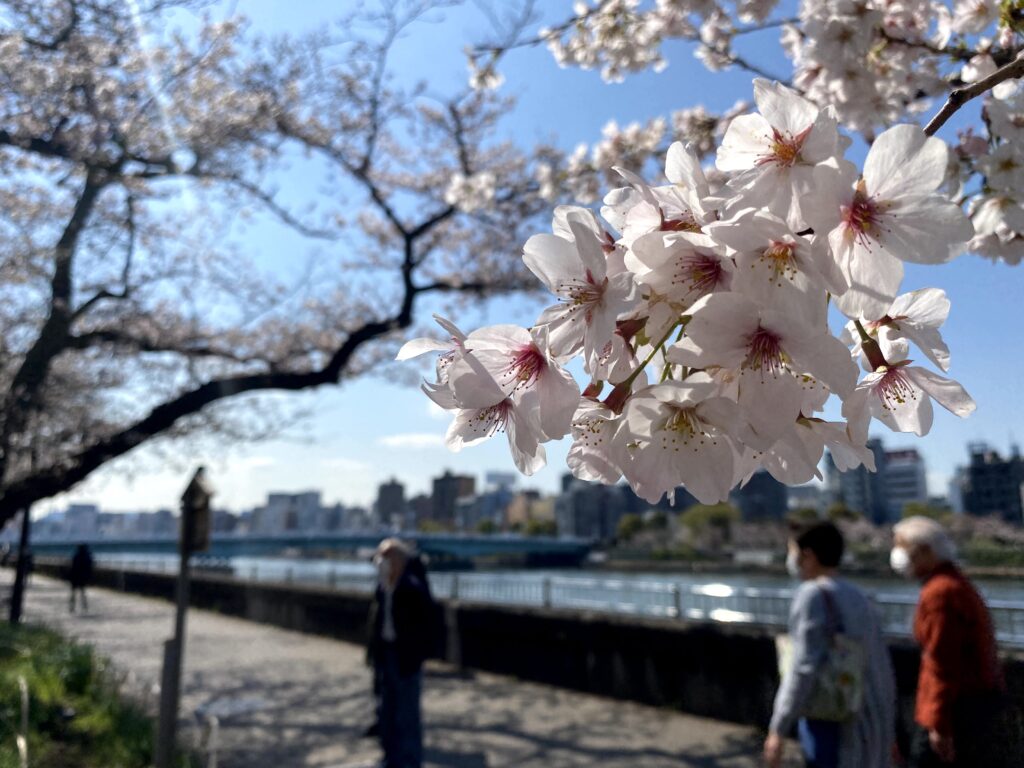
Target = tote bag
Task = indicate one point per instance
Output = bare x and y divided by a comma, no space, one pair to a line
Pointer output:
839,683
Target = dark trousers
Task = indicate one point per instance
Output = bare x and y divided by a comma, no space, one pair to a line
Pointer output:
75,591
819,741
401,731
979,737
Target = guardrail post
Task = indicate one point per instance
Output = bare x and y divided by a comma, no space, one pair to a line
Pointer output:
546,591
455,586
254,573
677,600
333,578
288,576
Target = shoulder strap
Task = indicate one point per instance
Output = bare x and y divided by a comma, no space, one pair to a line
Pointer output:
833,618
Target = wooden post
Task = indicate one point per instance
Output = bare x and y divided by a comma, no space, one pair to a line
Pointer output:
195,532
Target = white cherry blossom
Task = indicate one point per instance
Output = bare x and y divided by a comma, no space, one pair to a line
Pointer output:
773,154
915,316
509,361
474,425
900,396
892,214
769,352
593,427
678,433
776,268
577,272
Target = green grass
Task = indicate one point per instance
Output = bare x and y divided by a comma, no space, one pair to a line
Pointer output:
77,719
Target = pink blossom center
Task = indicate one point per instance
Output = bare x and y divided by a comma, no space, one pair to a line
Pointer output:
683,428
685,422
583,295
526,366
862,215
488,421
765,353
783,149
684,222
780,257
895,388
700,273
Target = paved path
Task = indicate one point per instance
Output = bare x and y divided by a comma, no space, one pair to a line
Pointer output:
288,700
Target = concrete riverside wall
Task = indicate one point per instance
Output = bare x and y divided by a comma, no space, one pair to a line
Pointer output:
714,670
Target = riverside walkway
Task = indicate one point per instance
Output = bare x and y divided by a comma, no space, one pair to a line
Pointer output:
287,700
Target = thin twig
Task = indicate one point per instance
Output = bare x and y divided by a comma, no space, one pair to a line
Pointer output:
961,96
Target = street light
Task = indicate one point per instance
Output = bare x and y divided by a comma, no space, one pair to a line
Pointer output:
194,537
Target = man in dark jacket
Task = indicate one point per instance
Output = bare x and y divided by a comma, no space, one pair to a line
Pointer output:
80,575
401,635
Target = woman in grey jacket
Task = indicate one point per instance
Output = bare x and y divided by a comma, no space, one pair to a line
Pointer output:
822,604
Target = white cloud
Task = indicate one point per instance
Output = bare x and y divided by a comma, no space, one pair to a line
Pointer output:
435,411
255,462
412,440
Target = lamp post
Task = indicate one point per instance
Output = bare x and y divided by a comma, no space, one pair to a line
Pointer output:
195,537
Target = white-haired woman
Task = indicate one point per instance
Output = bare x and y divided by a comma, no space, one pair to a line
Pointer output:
960,684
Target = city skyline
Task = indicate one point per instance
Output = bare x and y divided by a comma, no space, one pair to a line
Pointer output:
244,482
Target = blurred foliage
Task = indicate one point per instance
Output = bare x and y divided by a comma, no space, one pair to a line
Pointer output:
541,528
917,508
702,516
77,719
629,526
992,554
486,527
838,512
657,520
431,526
802,516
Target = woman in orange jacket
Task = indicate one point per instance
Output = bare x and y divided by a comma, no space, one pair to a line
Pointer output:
960,683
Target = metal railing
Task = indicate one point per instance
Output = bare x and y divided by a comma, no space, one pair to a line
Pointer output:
656,599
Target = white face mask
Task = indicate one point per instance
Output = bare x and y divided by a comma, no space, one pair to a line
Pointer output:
899,560
793,564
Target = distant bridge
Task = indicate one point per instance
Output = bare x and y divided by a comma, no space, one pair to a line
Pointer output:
541,549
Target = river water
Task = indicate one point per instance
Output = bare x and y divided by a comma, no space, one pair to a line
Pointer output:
722,597
320,571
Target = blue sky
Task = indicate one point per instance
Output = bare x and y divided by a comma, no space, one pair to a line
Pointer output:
367,431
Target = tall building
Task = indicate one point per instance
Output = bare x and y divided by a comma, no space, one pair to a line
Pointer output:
390,502
82,521
808,496
589,510
288,512
992,485
905,480
448,489
860,489
762,498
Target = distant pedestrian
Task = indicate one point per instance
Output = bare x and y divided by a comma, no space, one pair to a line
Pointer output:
959,706
80,575
844,731
401,637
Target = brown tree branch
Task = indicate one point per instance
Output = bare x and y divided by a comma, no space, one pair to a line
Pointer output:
961,96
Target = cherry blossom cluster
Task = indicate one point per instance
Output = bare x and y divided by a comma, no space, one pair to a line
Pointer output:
875,62
998,210
700,316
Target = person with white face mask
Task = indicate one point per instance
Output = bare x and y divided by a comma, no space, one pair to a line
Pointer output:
824,605
402,634
959,700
